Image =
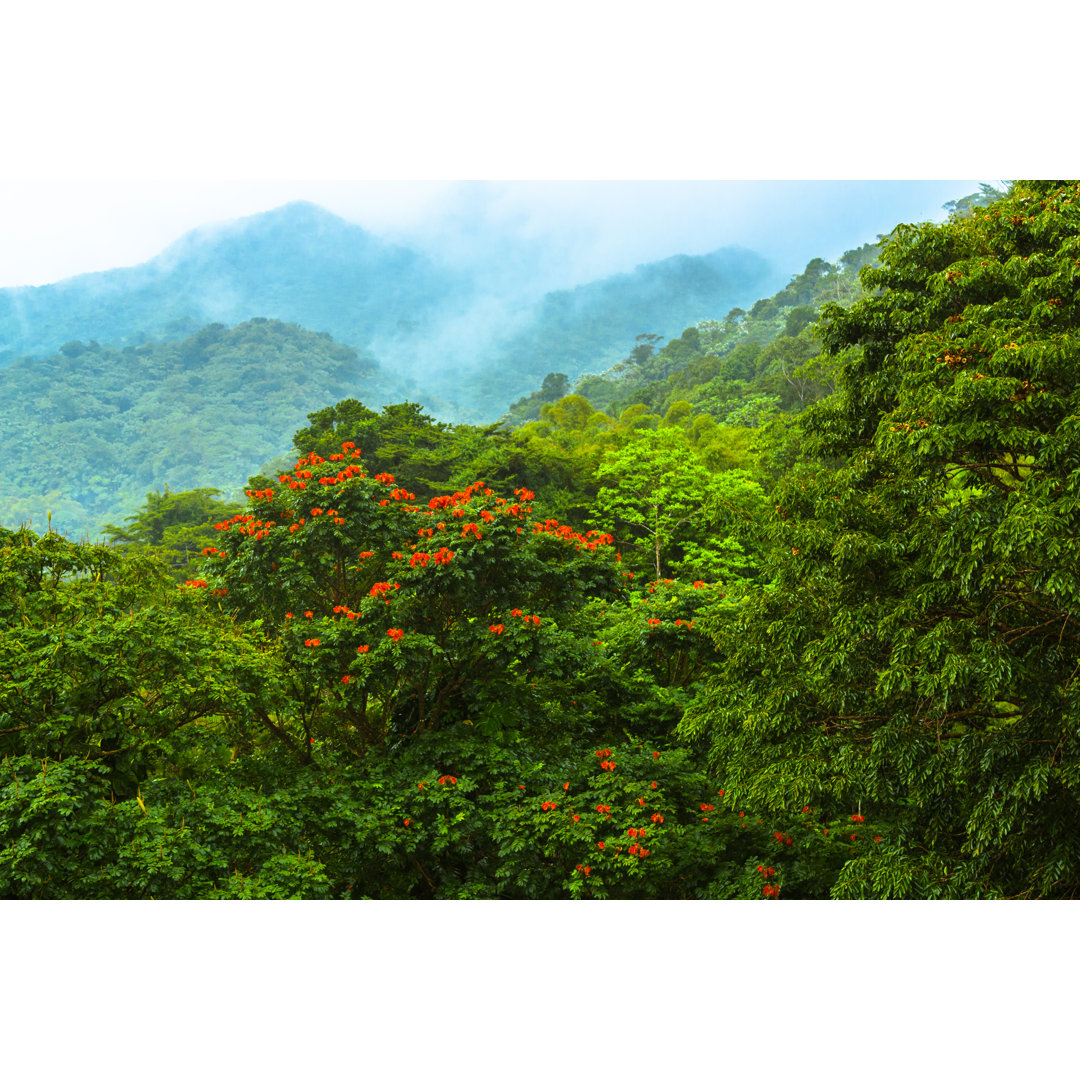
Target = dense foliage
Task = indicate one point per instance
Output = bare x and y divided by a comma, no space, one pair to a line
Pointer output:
689,644
916,655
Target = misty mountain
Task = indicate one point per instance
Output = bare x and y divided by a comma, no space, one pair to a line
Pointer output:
590,328
464,337
298,264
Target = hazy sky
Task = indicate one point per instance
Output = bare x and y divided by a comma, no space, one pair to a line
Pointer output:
55,229
126,123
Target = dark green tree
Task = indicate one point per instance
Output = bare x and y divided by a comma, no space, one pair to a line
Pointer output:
916,662
176,525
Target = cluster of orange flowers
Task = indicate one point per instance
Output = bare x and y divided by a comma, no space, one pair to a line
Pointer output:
394,634
518,613
589,542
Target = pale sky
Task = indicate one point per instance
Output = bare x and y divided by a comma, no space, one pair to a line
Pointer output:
55,229
126,123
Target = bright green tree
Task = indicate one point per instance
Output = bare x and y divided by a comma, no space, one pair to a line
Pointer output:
657,487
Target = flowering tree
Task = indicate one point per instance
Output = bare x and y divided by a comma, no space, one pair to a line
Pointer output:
397,616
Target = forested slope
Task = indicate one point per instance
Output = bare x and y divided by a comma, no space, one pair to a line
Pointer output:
89,431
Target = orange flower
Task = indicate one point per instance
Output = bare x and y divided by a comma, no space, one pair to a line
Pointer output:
395,634
362,648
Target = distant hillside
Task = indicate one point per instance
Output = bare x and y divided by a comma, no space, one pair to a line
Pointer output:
592,327
89,431
465,342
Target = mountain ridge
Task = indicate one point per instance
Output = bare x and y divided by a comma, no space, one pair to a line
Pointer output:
438,330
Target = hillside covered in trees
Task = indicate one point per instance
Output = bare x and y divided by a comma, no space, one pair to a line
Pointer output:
89,430
780,608
464,341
